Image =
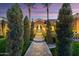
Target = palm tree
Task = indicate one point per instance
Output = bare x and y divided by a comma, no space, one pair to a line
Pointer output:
47,6
30,6
47,9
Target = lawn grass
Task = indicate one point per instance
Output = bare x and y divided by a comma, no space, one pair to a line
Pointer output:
2,46
75,48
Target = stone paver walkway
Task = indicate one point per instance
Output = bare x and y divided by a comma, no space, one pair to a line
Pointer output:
38,47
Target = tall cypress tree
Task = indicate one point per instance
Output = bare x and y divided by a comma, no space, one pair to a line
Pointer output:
64,31
32,30
26,35
15,23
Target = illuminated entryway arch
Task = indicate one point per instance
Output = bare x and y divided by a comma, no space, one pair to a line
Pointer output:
39,25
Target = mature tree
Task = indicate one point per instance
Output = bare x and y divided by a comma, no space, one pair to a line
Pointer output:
64,31
26,34
15,23
48,33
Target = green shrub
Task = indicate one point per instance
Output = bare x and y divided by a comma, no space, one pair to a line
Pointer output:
53,51
1,36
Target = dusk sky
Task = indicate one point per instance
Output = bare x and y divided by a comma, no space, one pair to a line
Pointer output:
39,11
